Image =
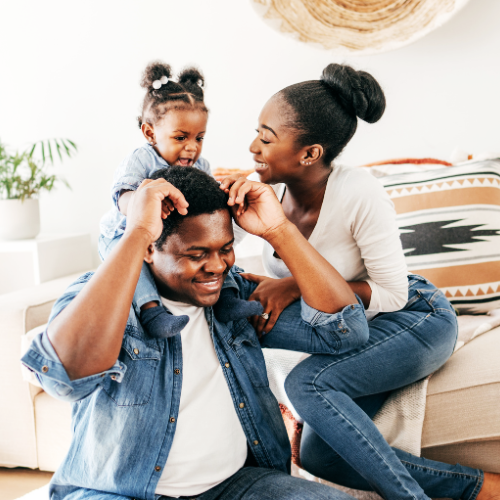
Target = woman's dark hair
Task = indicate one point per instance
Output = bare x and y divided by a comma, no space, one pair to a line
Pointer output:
201,191
185,93
325,111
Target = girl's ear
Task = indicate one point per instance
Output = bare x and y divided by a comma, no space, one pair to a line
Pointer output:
148,132
311,154
148,257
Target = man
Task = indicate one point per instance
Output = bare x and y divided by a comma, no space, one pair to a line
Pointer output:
189,415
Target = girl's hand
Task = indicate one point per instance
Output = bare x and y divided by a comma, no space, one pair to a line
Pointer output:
255,207
274,295
152,202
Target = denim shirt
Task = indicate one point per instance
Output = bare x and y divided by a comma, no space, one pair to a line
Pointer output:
124,419
136,167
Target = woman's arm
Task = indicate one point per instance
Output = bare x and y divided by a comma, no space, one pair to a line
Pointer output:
258,211
371,219
87,335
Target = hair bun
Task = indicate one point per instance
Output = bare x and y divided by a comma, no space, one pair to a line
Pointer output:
191,76
357,91
154,71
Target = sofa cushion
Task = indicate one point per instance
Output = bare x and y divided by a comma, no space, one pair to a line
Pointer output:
53,430
450,229
462,410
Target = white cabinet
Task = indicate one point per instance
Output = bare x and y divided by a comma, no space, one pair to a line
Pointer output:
24,263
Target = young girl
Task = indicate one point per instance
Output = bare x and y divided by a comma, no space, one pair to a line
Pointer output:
173,121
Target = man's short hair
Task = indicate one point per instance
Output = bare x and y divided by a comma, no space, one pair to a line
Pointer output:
201,191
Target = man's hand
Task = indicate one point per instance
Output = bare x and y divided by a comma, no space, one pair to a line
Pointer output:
275,295
152,202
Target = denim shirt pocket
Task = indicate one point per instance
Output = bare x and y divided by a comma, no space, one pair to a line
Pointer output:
141,359
245,344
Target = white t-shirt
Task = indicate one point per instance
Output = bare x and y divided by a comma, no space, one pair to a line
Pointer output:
357,233
209,443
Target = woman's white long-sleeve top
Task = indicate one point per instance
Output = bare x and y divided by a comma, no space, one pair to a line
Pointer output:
357,233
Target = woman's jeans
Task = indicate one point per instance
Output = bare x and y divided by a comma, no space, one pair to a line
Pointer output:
337,394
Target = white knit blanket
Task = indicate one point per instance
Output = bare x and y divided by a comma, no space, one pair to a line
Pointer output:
401,418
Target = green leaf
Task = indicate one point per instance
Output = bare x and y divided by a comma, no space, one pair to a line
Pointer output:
50,152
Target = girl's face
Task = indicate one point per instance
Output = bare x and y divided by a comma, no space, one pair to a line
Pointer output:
178,136
276,154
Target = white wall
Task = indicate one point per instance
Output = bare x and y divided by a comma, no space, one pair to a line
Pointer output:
71,69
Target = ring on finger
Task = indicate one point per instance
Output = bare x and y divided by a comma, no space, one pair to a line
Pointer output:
265,315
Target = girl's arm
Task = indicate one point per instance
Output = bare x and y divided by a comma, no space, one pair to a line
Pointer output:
124,200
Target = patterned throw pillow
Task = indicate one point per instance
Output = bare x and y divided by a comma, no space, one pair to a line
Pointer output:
450,230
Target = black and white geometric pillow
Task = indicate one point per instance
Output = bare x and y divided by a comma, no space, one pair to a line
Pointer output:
450,230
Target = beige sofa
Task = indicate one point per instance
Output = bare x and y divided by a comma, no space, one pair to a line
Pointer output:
462,420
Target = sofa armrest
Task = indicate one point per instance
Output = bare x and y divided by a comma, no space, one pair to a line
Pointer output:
21,311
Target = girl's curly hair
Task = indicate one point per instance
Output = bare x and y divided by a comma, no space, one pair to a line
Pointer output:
186,93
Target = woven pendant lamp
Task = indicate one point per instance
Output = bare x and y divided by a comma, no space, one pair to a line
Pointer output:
357,26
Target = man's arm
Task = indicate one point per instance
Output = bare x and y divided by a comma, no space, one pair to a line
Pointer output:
87,335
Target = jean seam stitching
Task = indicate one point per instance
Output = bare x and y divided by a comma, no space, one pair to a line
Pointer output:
477,488
441,472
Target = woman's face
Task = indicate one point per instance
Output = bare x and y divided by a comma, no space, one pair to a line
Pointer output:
276,154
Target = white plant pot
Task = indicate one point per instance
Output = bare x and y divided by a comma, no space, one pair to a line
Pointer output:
19,220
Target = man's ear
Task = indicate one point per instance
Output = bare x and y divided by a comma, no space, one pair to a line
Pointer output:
311,154
148,132
148,257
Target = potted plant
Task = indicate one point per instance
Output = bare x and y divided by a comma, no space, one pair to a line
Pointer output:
23,175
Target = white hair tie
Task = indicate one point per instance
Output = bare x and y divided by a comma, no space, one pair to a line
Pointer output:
158,83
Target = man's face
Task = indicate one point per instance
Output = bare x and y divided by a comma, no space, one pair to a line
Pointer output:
194,262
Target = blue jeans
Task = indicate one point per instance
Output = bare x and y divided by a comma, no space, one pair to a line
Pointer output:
337,394
253,483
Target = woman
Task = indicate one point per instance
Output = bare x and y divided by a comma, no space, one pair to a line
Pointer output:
347,216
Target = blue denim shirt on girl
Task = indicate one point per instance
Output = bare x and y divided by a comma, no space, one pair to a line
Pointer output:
136,167
124,419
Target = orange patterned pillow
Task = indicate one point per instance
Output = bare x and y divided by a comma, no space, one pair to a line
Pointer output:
450,230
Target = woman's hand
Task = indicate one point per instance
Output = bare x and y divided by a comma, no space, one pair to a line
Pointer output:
274,295
255,207
228,181
153,201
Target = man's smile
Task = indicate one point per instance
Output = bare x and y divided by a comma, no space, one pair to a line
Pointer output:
211,284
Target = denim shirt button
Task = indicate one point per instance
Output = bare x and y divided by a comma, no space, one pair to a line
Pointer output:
242,405
172,419
177,371
113,377
255,442
227,365
352,306
45,368
136,351
157,468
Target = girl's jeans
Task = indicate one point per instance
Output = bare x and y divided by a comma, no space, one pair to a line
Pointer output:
146,289
337,394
